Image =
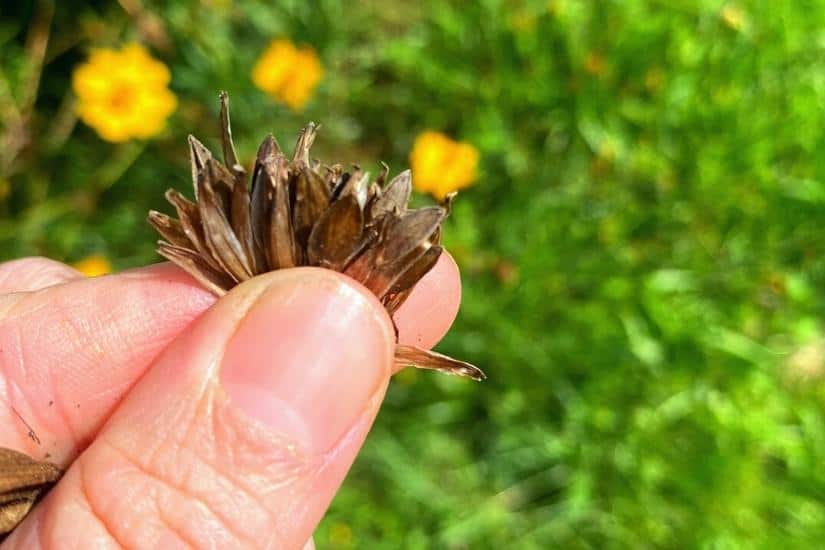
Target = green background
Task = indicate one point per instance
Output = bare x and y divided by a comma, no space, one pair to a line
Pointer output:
643,254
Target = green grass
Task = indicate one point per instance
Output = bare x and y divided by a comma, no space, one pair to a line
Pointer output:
643,255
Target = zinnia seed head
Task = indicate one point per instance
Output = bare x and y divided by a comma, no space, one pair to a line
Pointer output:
300,212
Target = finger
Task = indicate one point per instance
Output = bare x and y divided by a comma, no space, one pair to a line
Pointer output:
27,274
68,353
242,431
427,314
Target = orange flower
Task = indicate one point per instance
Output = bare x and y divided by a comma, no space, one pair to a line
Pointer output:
441,165
93,266
123,94
288,73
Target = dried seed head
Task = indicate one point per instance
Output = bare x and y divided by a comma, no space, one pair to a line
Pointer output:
299,212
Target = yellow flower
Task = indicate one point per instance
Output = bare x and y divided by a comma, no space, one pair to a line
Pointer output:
93,266
123,94
441,165
288,73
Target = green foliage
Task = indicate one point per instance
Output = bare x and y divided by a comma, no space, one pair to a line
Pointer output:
642,255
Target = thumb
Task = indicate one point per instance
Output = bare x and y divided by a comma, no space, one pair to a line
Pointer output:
242,431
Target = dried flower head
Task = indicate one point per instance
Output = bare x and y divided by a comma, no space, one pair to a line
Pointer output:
300,212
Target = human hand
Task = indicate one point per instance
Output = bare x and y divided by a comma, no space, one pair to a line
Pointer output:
230,429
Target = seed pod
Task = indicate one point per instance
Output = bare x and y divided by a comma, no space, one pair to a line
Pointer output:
300,212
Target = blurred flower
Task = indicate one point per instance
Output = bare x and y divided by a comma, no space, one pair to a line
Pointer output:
733,16
123,94
288,73
595,64
93,266
441,165
808,362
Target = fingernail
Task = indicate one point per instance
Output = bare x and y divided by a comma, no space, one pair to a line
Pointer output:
308,357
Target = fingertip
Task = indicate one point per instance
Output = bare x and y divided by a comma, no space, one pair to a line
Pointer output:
432,307
35,273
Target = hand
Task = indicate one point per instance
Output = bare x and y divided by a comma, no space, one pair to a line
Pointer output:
182,427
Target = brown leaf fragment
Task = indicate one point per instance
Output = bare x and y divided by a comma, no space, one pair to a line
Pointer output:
193,263
170,229
337,236
22,481
412,356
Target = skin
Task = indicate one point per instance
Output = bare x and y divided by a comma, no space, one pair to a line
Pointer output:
186,422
